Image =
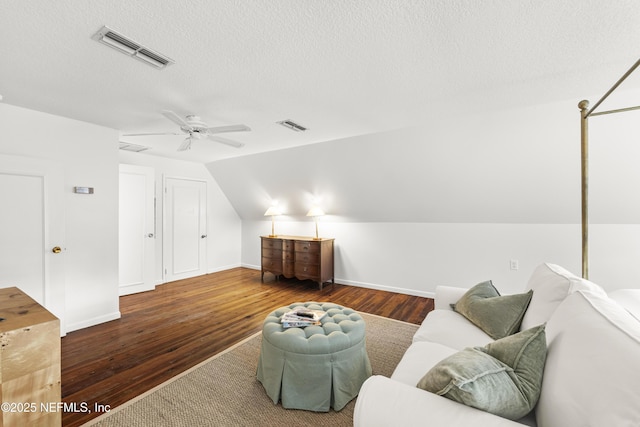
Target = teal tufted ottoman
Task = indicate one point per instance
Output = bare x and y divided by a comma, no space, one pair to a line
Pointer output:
316,367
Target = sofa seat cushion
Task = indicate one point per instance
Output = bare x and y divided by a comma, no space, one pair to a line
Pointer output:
450,329
503,378
419,358
499,316
592,375
551,284
383,402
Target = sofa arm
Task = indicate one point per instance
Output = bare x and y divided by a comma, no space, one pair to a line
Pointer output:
384,402
447,295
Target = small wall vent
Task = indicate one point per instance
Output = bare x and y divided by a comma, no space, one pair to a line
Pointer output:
129,47
292,125
133,147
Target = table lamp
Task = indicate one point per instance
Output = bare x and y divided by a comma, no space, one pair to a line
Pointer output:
272,212
315,212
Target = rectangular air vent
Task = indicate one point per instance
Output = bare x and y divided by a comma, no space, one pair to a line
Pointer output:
129,47
292,125
133,147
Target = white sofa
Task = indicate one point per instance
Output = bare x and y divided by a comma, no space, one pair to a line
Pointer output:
591,375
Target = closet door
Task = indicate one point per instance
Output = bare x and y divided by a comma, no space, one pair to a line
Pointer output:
137,229
32,230
185,228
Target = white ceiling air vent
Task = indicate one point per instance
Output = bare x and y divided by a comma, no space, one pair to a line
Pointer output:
134,49
133,147
292,125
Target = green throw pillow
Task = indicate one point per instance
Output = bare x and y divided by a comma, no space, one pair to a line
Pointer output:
498,316
503,378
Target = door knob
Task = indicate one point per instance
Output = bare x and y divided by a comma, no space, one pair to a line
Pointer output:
203,236
150,235
56,249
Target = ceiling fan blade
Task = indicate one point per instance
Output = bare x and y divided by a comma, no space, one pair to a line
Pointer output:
229,128
147,134
186,145
175,118
226,141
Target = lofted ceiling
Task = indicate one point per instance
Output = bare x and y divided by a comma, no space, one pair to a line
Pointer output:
340,68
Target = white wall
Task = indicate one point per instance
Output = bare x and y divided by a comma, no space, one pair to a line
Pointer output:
223,223
414,258
89,156
517,166
454,200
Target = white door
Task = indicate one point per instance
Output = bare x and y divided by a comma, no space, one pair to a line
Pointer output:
185,228
136,229
32,230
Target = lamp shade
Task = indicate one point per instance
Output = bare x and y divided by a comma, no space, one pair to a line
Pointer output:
315,211
272,211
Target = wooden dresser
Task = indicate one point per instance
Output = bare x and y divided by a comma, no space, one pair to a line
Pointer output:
29,361
300,257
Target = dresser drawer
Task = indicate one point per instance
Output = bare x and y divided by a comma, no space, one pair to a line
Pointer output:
289,269
304,270
311,247
288,256
308,257
272,244
288,245
272,253
270,264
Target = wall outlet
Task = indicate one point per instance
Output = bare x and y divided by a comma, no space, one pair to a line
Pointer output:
514,264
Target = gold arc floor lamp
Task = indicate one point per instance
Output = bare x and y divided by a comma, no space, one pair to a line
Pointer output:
273,211
315,212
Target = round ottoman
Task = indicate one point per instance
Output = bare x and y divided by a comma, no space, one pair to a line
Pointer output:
316,367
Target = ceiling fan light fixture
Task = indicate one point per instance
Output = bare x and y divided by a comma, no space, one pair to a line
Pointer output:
125,45
290,124
186,144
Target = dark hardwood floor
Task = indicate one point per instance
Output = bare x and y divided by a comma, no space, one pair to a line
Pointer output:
180,324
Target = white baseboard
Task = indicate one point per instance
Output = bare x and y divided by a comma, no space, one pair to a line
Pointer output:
405,291
134,289
93,321
225,267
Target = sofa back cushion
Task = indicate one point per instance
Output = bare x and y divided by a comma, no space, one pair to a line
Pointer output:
551,284
592,375
629,299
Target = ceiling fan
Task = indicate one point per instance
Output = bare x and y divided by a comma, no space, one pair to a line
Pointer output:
195,128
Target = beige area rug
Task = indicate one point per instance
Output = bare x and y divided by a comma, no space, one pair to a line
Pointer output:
224,391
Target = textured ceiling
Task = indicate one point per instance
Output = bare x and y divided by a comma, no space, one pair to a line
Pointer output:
340,68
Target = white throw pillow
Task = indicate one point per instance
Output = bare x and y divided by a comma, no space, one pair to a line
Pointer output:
592,372
551,284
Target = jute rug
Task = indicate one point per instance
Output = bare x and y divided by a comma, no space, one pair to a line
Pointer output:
224,391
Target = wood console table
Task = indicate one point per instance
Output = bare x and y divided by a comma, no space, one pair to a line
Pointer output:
29,361
300,257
